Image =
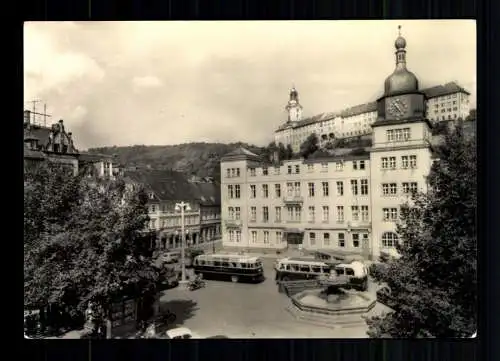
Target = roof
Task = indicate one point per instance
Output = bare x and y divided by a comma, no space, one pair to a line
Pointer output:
34,154
233,257
312,261
93,157
440,90
171,185
240,153
38,132
436,91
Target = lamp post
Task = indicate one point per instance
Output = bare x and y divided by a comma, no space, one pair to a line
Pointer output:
183,207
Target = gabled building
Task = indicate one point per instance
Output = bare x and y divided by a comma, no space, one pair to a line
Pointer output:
165,189
55,144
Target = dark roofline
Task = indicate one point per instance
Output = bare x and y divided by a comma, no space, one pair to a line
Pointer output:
379,123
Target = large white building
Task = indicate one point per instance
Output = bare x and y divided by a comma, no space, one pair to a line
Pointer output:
342,199
444,102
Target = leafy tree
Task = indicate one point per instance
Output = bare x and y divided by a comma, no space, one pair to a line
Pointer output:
288,152
309,146
432,288
84,241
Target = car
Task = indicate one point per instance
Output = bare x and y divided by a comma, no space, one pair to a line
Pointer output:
218,336
181,333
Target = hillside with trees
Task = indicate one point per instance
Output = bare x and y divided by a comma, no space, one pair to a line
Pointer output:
200,159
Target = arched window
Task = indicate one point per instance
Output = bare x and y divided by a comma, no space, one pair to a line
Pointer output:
389,239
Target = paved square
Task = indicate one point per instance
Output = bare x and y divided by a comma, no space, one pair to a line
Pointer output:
240,310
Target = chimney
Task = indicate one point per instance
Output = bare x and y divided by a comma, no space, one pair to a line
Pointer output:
27,117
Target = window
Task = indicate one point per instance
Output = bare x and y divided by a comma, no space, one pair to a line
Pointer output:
354,187
355,240
289,189
406,134
297,189
355,213
238,236
340,188
153,208
237,191
277,211
311,189
279,237
265,190
289,169
253,214
389,239
311,214
390,135
297,169
237,213
230,191
413,187
341,239
277,190
326,239
413,161
364,213
254,236
325,189
326,213
404,161
406,187
354,165
266,237
392,162
385,163
324,167
231,236
364,187
230,212
265,214
310,168
393,188
298,213
390,214
253,191
153,223
276,170
265,171
252,172
312,238
339,166
361,164
340,214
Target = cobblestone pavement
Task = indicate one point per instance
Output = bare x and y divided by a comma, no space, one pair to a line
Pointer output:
241,310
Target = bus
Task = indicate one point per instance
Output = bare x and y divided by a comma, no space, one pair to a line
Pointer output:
289,269
337,256
229,267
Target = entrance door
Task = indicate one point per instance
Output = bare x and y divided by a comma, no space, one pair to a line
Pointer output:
294,240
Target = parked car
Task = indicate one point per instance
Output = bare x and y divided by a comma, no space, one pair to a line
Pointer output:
170,257
181,333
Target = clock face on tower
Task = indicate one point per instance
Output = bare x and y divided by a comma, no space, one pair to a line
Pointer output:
397,107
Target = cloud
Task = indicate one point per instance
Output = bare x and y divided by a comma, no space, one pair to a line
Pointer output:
225,81
146,82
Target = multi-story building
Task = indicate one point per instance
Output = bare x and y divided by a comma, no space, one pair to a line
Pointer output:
167,188
54,144
341,199
445,102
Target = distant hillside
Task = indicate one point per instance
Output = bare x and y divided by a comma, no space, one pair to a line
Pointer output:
201,159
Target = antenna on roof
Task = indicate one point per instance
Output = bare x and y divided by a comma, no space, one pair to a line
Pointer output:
34,112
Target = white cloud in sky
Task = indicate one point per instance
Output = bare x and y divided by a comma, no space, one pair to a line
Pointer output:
225,81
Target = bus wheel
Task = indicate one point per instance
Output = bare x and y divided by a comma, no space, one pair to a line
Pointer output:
234,279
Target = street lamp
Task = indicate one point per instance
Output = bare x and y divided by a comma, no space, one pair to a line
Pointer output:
183,207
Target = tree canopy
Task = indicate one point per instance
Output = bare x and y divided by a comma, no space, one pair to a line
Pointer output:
84,240
432,288
310,145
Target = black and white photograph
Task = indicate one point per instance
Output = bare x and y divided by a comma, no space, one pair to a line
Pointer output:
250,179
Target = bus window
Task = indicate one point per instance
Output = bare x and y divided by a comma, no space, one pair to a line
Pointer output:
349,272
316,269
287,267
234,264
225,264
305,268
243,265
281,266
294,267
340,271
217,264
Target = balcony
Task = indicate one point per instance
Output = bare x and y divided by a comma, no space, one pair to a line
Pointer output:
233,223
293,199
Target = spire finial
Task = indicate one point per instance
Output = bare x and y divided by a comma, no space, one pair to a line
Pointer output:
399,30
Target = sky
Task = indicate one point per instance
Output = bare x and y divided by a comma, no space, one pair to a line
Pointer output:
161,83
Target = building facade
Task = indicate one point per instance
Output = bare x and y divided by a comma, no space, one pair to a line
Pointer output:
444,102
55,145
167,188
341,199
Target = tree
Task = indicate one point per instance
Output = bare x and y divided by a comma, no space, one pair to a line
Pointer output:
84,241
432,288
309,146
288,152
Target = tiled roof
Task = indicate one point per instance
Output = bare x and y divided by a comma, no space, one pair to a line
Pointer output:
40,133
171,185
440,90
240,151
